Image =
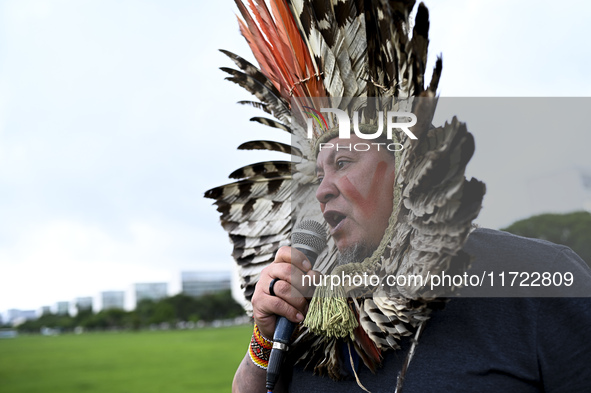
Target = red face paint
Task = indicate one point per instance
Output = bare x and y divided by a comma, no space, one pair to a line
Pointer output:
369,202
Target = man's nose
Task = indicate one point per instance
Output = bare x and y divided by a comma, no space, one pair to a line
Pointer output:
327,189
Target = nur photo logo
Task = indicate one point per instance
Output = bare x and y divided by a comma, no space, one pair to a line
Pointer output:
400,121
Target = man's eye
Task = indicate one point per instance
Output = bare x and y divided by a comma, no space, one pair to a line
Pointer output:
341,163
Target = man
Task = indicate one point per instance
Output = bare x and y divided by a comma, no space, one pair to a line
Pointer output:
319,50
474,344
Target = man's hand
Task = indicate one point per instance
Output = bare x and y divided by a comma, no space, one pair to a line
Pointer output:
289,266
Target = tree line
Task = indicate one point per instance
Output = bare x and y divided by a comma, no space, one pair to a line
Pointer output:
169,310
570,229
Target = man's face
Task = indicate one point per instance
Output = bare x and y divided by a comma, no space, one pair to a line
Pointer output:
356,192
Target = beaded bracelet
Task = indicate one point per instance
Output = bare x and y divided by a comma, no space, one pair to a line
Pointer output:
260,348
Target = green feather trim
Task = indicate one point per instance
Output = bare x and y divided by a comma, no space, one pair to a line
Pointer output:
329,314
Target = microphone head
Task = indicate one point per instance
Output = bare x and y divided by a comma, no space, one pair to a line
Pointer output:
310,235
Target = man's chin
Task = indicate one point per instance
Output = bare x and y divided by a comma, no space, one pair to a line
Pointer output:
354,253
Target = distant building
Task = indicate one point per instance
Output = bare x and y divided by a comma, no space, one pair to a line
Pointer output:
83,303
62,308
12,314
45,310
201,283
112,299
8,333
17,317
153,291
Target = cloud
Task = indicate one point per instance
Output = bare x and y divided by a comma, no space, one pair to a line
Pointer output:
66,259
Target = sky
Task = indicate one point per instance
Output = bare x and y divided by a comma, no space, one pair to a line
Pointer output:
115,119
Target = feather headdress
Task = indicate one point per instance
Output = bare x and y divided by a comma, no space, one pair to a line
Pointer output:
363,56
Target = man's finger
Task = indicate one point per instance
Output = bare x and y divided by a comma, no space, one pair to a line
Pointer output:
295,257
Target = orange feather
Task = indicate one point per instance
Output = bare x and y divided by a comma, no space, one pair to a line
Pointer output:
279,48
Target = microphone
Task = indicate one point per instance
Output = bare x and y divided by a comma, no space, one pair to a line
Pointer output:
309,237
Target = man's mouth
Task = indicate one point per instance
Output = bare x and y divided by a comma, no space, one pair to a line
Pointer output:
334,219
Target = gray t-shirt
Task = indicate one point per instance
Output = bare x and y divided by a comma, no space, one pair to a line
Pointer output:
507,344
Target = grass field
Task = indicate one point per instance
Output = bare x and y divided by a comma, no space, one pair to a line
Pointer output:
161,361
